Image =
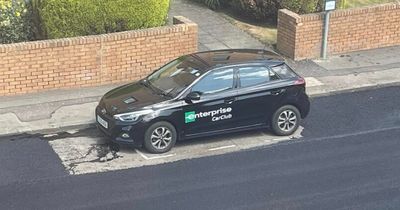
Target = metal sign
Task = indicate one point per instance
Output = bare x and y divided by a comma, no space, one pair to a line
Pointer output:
330,5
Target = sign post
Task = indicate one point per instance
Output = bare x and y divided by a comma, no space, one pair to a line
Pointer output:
329,6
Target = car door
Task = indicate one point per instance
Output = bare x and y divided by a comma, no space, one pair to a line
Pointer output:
259,93
215,111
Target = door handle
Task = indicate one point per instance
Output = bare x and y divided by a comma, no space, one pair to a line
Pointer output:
277,92
229,101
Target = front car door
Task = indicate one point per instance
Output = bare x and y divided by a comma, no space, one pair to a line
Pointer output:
215,111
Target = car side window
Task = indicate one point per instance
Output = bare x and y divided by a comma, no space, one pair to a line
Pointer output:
255,75
214,82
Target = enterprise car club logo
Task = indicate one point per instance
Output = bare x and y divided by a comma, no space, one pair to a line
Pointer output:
224,113
190,117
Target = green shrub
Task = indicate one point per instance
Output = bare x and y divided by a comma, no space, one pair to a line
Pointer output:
302,6
265,9
214,4
256,9
268,9
14,22
68,18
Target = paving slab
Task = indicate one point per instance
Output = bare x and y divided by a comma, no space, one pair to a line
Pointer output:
215,45
340,83
55,96
215,32
363,60
79,115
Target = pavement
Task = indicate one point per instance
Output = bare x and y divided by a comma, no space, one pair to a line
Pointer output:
347,158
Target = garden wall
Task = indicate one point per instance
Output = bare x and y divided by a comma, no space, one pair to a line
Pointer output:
300,36
92,60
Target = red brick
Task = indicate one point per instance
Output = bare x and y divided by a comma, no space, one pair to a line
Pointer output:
350,30
41,67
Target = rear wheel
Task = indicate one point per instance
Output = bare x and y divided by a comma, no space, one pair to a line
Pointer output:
160,137
286,120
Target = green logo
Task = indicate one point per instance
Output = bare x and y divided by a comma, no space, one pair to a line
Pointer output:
190,117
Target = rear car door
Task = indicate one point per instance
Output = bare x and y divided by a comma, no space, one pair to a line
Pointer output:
215,111
259,93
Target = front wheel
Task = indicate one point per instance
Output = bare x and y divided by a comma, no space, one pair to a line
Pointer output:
160,137
286,120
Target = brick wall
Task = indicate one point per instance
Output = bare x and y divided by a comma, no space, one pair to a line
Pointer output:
92,60
300,36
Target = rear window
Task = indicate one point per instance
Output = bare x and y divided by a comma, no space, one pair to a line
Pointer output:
284,71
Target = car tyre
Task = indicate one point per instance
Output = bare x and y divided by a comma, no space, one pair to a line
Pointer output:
286,120
160,137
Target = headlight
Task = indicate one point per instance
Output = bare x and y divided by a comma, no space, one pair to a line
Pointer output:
132,116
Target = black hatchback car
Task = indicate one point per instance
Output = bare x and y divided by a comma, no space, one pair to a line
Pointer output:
203,94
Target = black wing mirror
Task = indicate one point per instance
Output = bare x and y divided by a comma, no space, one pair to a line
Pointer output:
193,96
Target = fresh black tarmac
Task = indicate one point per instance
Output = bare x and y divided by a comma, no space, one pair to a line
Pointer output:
348,159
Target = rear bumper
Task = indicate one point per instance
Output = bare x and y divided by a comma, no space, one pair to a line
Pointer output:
304,105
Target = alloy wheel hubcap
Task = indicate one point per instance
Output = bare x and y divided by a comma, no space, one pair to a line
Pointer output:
161,138
287,120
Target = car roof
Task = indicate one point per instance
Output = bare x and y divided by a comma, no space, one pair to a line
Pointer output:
228,57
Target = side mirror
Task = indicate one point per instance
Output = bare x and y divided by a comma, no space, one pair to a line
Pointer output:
193,96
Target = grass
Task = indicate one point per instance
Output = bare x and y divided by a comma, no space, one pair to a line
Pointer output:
346,4
265,32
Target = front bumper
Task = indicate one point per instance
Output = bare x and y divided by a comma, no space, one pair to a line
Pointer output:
116,129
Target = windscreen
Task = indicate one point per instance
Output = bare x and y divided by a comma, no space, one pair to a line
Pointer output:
175,76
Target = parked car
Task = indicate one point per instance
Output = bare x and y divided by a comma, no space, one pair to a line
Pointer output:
203,94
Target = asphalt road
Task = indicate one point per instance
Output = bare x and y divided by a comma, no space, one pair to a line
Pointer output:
348,159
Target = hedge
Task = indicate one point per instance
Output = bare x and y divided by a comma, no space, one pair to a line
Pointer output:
14,22
265,9
213,4
303,6
68,18
268,9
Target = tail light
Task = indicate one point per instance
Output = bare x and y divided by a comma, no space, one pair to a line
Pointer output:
300,81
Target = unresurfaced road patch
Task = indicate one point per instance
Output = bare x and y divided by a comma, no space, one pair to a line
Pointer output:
90,152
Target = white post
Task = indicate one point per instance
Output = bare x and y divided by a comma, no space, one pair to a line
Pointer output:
325,35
